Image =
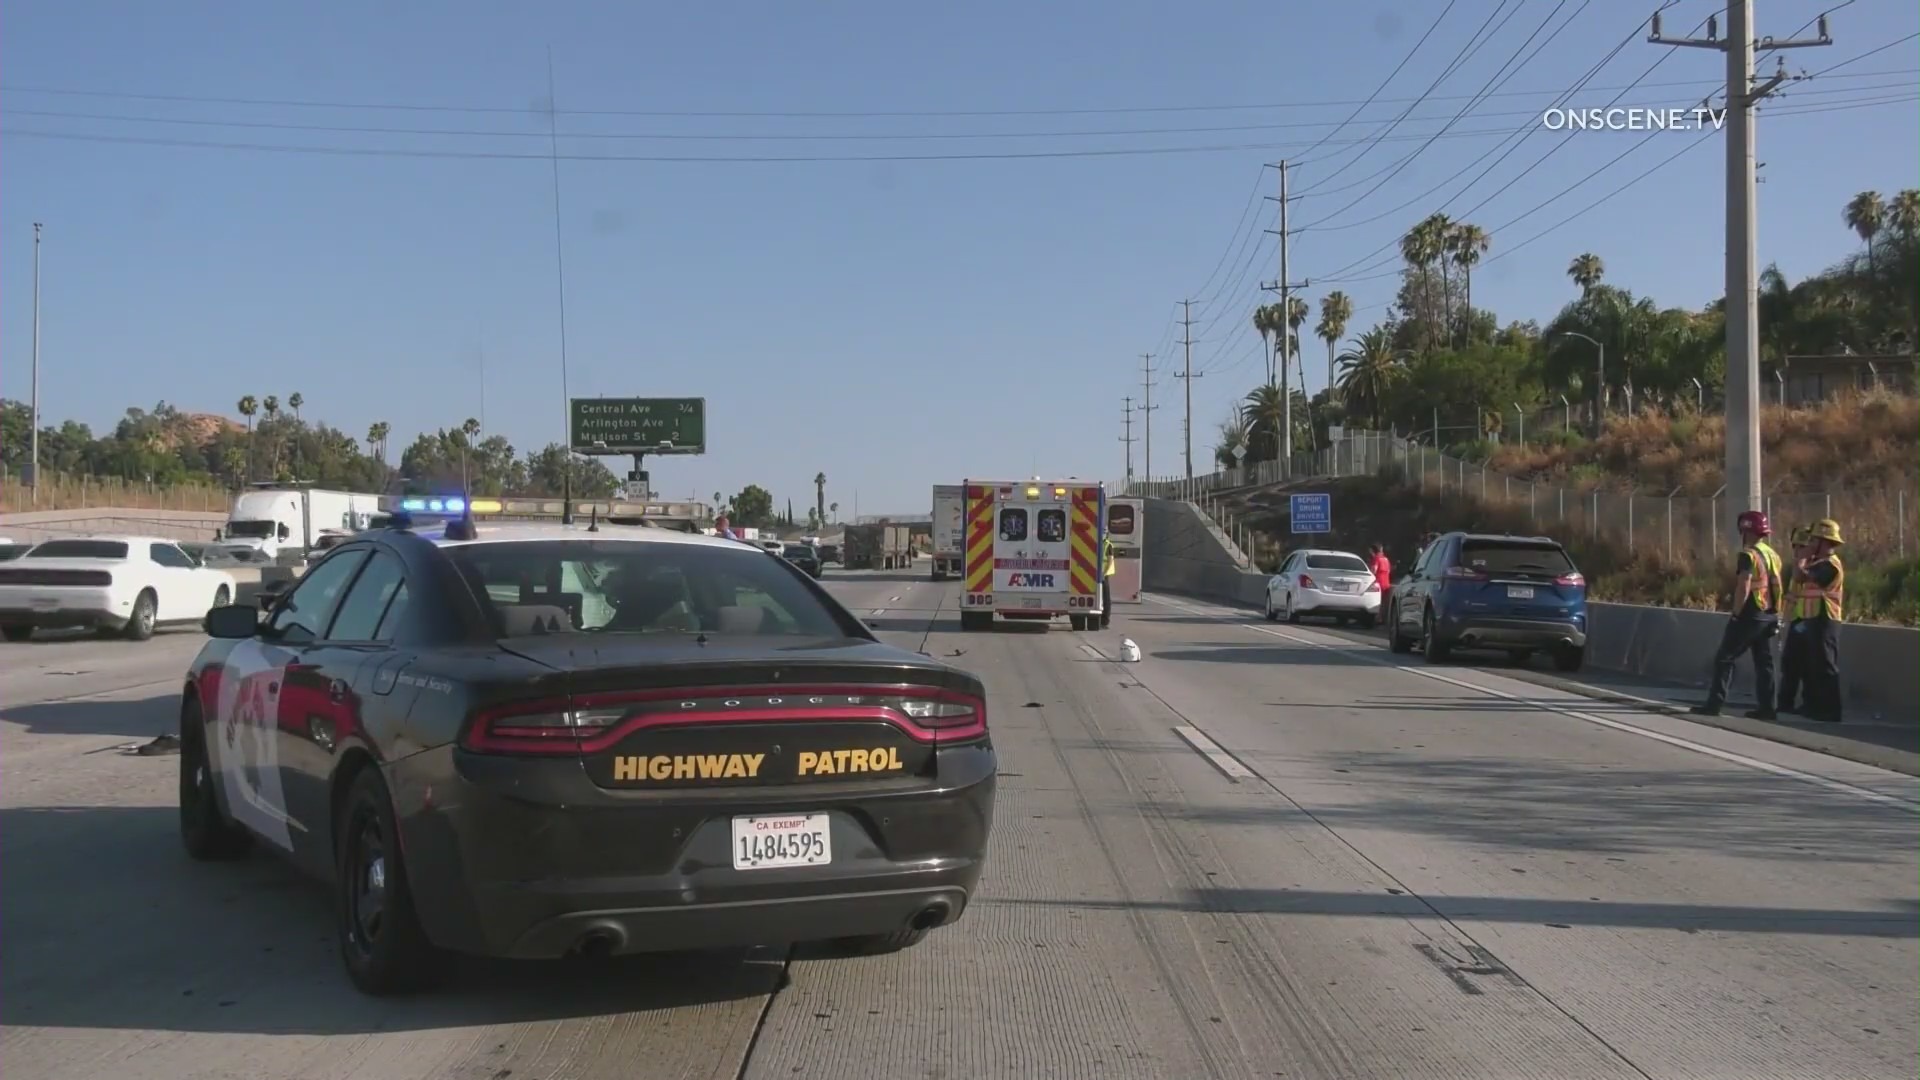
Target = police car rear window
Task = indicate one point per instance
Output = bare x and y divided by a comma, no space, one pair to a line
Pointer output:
79,549
538,587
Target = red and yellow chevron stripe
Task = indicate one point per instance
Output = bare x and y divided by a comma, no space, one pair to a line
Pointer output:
979,548
1084,529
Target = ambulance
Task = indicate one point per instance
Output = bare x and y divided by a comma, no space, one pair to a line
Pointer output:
1033,551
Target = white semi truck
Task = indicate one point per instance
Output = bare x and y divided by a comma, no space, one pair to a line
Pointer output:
949,530
272,520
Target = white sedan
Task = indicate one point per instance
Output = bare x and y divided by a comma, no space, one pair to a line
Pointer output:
1329,583
127,585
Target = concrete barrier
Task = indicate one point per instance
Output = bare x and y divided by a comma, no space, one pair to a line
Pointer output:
1187,554
36,525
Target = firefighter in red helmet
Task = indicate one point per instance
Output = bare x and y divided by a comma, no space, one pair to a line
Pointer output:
1757,588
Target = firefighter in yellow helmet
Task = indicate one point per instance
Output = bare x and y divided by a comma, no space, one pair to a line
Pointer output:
1107,568
1793,649
1754,621
1820,603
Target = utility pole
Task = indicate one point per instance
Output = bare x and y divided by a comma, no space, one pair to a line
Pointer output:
33,438
1285,286
1187,376
1146,412
1127,438
1743,323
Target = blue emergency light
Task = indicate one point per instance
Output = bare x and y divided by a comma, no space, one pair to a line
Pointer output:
452,504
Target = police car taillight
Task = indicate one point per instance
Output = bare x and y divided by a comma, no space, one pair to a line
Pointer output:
542,730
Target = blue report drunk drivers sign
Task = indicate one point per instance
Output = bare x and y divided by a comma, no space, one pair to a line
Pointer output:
1313,513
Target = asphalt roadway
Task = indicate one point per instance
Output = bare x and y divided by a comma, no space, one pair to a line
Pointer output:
1263,851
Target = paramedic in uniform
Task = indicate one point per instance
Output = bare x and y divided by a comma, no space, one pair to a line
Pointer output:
1755,619
1793,646
1107,568
1819,603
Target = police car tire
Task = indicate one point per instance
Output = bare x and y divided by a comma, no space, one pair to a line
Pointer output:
205,830
880,944
402,960
16,633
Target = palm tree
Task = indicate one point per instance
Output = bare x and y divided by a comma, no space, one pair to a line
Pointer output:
820,495
1368,370
271,406
1424,245
1866,214
1586,271
294,401
1903,213
1336,308
248,406
1263,323
1263,417
1234,432
834,509
1466,242
377,433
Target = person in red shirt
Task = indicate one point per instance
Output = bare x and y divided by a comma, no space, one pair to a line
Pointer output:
1382,567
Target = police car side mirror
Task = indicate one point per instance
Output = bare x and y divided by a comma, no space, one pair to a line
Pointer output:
233,622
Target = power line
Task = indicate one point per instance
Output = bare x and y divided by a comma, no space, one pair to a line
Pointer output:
1490,84
481,155
1384,83
1524,132
497,110
1775,111
1466,52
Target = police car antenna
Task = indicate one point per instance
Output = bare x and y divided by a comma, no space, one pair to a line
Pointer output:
566,494
593,520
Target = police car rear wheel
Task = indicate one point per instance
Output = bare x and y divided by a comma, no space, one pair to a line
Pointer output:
878,944
385,950
204,830
16,633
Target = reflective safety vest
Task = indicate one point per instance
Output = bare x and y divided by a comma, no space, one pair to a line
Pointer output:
1766,590
1106,552
1812,601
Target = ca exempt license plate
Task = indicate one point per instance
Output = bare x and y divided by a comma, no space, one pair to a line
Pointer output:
1519,592
763,843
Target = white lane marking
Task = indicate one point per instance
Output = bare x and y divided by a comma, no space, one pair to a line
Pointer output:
1617,725
1211,750
878,611
893,599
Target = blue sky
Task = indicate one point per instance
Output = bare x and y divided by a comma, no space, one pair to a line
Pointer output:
892,323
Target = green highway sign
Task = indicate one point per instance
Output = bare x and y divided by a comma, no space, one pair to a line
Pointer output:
639,425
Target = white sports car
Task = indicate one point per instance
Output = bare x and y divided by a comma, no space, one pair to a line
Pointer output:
127,585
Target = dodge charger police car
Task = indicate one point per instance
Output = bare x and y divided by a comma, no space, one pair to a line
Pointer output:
532,740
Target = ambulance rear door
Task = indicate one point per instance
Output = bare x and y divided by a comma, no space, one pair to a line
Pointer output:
1127,527
1032,551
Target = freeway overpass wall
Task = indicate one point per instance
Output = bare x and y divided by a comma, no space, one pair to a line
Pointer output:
1187,553
34,526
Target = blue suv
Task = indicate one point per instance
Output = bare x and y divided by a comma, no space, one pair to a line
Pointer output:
1520,594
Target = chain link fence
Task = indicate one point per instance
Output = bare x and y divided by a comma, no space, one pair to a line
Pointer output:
61,492
1879,525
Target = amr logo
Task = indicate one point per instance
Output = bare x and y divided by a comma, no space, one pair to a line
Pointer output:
1030,581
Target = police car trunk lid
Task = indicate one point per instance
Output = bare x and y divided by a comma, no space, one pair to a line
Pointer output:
646,713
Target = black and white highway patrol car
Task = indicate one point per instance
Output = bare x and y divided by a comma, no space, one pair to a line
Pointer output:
538,740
